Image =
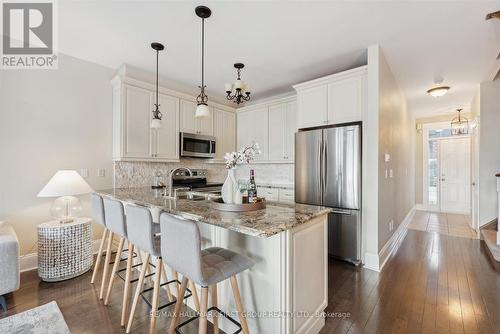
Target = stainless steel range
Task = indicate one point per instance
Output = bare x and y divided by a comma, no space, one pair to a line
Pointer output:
195,180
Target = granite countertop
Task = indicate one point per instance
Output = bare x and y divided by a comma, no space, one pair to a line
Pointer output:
275,218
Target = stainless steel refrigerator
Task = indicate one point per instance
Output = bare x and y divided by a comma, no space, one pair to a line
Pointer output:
328,173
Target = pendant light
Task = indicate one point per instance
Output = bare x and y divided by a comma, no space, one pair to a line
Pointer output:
202,109
156,121
459,125
240,89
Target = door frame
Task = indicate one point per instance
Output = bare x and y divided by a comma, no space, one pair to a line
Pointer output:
425,173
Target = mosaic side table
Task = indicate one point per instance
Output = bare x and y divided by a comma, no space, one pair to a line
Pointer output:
64,249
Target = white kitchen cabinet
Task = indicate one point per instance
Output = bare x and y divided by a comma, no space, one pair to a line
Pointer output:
335,99
290,129
165,140
133,138
224,132
346,100
277,125
286,195
282,126
313,102
190,124
136,122
253,127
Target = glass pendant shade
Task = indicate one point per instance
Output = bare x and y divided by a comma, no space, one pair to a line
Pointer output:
202,111
155,123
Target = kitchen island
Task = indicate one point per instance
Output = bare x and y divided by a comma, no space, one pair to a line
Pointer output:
287,289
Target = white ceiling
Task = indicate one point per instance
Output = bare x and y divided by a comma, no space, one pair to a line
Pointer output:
287,42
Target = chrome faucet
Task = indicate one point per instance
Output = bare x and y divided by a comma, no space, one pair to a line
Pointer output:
170,178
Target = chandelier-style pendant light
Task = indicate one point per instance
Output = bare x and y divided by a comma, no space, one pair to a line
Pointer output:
240,89
459,125
156,121
202,109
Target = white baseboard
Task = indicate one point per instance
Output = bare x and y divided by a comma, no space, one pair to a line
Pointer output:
376,262
30,261
392,245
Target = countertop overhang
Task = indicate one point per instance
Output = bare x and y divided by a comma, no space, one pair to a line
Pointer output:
274,219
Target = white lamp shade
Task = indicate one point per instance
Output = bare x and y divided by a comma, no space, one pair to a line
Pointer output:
155,123
65,183
238,84
202,110
228,87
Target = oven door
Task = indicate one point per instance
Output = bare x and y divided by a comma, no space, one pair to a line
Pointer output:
197,146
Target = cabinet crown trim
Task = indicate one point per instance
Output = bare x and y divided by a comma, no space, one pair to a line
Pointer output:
331,78
268,103
120,79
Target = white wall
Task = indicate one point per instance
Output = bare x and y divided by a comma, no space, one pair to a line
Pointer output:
489,152
387,128
51,120
396,138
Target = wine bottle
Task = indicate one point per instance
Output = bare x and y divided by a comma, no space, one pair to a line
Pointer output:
252,188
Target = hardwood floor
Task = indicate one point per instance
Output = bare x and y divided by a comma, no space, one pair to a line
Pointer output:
434,284
455,225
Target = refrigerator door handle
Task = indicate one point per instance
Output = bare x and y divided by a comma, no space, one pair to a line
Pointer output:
325,163
341,212
320,171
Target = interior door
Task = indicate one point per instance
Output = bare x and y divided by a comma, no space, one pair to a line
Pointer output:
454,177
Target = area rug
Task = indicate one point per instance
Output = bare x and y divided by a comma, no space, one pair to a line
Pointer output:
45,319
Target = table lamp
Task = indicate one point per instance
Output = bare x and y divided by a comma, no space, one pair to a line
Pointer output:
65,184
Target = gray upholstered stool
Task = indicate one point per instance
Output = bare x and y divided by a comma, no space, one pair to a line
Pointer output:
98,217
114,214
181,250
144,234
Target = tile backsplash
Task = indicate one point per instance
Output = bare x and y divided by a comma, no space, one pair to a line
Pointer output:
142,174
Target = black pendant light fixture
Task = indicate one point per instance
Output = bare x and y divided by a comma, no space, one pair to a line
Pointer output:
459,125
240,89
202,109
156,121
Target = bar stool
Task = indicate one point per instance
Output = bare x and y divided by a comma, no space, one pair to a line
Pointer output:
144,234
116,222
181,250
98,216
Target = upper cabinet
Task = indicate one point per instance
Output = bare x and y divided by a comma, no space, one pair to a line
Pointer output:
133,138
338,98
224,132
190,124
273,126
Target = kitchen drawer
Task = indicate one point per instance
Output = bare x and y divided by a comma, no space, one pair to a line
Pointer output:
287,195
271,194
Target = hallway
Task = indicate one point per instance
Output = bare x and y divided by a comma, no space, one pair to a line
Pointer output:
454,225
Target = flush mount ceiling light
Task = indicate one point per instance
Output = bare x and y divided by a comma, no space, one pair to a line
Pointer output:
156,121
459,125
202,109
240,89
438,91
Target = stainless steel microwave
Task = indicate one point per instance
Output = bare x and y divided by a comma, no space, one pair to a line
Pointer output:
197,146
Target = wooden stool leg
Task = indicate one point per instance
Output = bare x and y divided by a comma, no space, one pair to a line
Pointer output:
128,285
115,269
106,264
177,290
156,296
175,320
138,290
195,296
203,311
169,292
239,304
99,255
213,290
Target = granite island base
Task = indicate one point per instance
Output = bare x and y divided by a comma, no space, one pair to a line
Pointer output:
287,289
